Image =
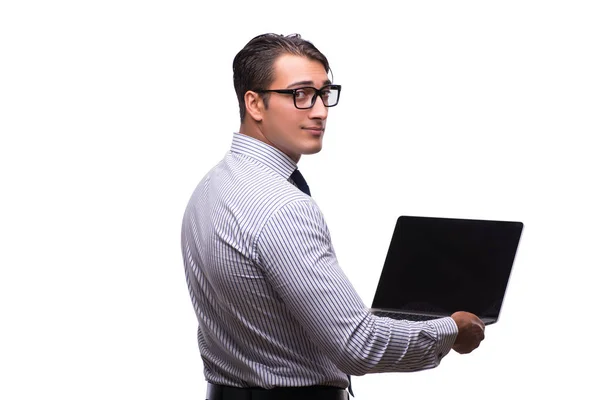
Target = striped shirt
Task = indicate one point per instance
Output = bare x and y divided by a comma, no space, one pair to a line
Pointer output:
274,307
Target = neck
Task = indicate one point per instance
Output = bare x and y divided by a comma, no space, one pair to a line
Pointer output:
254,131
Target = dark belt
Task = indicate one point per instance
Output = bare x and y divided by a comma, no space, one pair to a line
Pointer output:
221,392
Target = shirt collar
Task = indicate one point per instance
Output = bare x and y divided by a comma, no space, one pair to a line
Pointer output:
264,153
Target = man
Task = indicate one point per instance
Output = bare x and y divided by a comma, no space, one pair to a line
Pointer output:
277,317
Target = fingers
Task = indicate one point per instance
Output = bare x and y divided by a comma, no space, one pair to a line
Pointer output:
482,329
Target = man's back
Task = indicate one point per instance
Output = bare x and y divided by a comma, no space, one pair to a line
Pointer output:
244,327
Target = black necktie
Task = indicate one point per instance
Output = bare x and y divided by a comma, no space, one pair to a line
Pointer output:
302,185
300,182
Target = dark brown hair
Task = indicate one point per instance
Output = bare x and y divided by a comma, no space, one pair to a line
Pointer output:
253,65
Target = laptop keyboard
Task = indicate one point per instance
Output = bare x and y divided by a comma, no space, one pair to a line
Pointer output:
409,317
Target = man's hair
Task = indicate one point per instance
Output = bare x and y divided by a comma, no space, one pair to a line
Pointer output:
253,65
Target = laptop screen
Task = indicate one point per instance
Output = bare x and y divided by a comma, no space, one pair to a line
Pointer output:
445,265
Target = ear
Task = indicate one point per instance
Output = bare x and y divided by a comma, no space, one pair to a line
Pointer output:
254,105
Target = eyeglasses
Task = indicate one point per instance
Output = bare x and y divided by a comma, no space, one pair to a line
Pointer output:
305,97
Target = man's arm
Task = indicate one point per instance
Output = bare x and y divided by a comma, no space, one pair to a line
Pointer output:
295,250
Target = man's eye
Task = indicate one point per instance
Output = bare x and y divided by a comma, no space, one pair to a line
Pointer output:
300,94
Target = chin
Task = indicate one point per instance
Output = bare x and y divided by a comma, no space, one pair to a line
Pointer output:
313,149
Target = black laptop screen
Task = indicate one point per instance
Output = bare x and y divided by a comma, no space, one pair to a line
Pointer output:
447,265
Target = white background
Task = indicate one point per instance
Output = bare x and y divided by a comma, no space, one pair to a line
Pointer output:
112,111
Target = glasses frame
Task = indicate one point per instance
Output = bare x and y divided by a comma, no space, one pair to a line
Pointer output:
318,92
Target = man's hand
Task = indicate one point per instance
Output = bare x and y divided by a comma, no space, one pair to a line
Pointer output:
470,332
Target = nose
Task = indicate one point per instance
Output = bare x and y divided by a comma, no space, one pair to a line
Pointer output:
318,110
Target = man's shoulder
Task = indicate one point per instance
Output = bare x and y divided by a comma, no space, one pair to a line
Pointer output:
263,189
246,188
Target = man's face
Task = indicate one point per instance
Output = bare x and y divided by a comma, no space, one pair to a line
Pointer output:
294,131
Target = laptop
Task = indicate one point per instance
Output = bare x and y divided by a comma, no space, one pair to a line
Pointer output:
437,266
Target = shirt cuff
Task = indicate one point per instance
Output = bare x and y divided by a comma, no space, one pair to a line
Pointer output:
446,334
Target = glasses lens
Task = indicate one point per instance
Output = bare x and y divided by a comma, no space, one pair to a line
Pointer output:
330,96
303,97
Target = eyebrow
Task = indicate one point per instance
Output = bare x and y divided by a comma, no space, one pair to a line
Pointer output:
327,82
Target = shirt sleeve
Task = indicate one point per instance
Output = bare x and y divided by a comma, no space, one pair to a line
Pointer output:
295,250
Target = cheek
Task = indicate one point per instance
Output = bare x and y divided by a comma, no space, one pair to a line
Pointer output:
288,119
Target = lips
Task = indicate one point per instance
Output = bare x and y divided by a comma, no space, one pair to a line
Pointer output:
315,130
